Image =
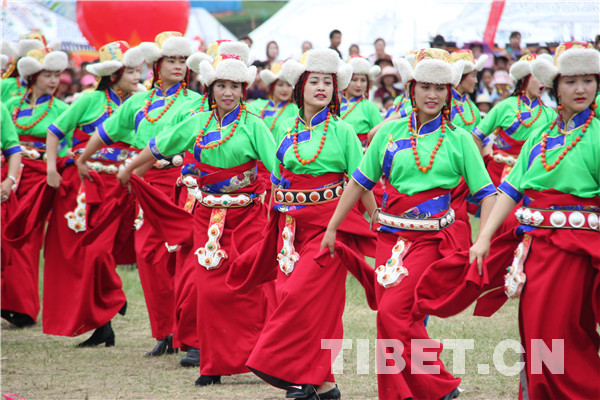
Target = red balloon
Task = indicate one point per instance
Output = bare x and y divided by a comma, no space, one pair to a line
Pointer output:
103,22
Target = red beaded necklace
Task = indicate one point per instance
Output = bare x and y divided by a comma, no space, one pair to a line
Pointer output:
202,102
461,113
262,114
222,140
550,167
164,110
413,144
350,110
16,112
525,124
302,160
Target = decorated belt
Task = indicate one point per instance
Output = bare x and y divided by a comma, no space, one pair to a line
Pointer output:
107,154
558,219
416,224
218,200
166,163
315,196
34,150
503,158
102,167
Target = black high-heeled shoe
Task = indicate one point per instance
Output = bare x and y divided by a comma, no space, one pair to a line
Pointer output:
206,380
104,334
301,392
332,394
452,395
17,319
192,359
162,346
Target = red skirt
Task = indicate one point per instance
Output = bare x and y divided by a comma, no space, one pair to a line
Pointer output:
82,290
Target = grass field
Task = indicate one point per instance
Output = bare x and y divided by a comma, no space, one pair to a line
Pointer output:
38,366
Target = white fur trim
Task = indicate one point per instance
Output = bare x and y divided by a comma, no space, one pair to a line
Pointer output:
437,71
481,62
228,69
323,60
267,76
579,62
176,46
405,69
207,72
458,69
344,75
237,48
374,71
133,57
54,61
359,65
544,71
26,45
291,71
105,68
8,49
54,44
150,51
5,59
251,75
141,88
546,57
411,58
193,61
520,70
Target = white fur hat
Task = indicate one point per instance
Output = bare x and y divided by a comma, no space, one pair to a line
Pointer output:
322,60
269,76
34,40
114,56
571,58
237,48
42,60
166,44
466,57
362,66
522,68
228,67
193,62
431,66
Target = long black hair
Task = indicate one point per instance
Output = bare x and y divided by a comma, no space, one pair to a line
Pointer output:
298,94
106,81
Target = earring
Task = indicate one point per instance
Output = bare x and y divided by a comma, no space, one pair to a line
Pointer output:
119,92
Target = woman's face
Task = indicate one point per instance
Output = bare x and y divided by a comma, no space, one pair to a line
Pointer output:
388,80
487,78
318,90
47,82
357,86
468,82
272,51
576,93
172,70
227,95
534,88
282,91
130,79
430,98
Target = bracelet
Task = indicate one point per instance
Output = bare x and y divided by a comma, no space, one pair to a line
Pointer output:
12,178
372,215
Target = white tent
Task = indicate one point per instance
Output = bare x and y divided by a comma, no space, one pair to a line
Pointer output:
409,25
202,25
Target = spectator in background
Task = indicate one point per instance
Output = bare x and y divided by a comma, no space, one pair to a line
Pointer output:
306,46
387,102
384,61
487,85
386,81
353,50
272,53
483,103
248,40
513,49
597,42
380,53
477,50
258,89
543,50
335,39
501,63
439,42
64,84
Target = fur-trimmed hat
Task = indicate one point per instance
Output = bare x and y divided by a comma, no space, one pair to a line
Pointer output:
228,67
193,61
466,57
166,44
431,66
34,40
269,76
571,58
522,68
9,52
42,60
114,56
237,48
362,66
322,60
213,49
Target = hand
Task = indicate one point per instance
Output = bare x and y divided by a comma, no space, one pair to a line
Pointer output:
6,189
329,241
53,178
84,172
479,251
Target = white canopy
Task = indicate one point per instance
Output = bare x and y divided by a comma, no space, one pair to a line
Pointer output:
409,24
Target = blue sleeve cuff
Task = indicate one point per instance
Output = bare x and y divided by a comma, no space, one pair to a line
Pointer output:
484,192
104,136
56,131
275,180
362,180
154,149
479,134
11,150
510,191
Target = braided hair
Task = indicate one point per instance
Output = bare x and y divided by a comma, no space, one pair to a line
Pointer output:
298,94
156,73
521,86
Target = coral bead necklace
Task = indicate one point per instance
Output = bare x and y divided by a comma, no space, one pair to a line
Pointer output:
353,107
222,140
262,114
16,113
413,144
302,160
526,124
550,167
461,113
164,110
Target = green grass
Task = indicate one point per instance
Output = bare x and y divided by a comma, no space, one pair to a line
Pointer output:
38,366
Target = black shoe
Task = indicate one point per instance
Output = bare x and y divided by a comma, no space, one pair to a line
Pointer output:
162,346
300,392
206,380
104,334
192,358
452,395
123,309
333,394
17,319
